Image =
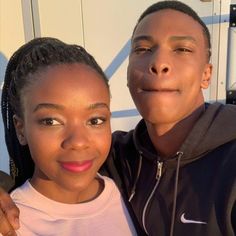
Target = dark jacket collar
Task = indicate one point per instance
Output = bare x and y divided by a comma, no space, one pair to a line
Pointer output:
215,127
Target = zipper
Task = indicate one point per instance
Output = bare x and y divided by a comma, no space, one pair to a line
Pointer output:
158,177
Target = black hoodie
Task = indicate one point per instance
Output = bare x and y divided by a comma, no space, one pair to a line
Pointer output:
192,193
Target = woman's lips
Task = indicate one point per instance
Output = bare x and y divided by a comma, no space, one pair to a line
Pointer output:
76,166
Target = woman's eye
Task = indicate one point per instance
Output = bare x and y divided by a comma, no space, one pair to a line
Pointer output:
49,122
96,121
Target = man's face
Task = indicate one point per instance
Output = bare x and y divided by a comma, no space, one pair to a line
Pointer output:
168,67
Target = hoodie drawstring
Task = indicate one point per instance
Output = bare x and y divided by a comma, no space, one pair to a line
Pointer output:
179,154
137,177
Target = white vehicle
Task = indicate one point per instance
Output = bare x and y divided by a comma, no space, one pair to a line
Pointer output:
104,28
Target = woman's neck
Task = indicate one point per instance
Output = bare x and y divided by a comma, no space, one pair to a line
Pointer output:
58,193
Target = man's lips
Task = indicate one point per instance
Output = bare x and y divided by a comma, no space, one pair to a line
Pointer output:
160,90
75,166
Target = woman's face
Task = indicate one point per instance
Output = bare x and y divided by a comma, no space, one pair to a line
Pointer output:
66,124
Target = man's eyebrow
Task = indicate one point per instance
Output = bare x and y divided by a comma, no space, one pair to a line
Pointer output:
182,38
48,106
142,38
172,38
98,105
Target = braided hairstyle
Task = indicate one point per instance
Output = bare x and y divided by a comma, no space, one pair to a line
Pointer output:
30,59
181,7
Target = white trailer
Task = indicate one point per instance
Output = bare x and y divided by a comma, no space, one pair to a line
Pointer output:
104,28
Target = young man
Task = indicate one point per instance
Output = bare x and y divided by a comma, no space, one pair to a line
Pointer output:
178,166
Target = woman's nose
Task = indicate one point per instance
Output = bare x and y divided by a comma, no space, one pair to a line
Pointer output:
76,138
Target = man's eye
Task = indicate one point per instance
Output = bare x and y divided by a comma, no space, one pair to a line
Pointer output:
97,121
182,49
140,50
49,122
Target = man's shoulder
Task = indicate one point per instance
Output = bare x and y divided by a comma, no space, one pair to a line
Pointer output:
222,108
122,136
123,142
125,137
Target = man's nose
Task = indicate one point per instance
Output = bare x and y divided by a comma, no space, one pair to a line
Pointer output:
159,62
76,138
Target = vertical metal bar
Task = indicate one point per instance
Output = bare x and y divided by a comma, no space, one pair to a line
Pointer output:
27,20
82,19
36,18
231,64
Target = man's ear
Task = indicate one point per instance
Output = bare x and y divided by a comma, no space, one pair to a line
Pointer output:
19,127
206,77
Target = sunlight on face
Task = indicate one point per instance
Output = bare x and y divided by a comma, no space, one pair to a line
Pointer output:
67,127
168,67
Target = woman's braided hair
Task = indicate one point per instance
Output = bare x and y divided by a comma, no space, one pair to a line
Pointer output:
33,57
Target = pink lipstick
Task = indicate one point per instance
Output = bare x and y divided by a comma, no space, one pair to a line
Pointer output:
77,166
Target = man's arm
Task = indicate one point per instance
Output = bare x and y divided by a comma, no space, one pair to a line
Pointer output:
9,215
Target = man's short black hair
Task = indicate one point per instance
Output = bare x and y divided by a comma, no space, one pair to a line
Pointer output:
181,7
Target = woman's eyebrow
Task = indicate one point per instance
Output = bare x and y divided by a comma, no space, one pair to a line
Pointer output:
52,106
98,105
48,106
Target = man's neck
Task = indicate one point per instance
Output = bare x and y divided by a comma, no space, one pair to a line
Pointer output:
167,138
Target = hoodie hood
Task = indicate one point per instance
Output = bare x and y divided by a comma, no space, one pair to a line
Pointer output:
215,127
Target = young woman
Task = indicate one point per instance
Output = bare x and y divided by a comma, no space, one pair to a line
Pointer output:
55,106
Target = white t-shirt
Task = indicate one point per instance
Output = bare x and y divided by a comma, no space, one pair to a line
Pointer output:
41,216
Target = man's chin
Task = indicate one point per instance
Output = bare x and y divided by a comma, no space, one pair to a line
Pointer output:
160,117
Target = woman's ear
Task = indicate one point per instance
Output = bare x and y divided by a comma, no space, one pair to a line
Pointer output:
19,127
206,77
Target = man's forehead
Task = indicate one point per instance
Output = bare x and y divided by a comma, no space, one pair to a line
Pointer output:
181,25
166,15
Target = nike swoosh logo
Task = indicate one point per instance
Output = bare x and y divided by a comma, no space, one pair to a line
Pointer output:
186,221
